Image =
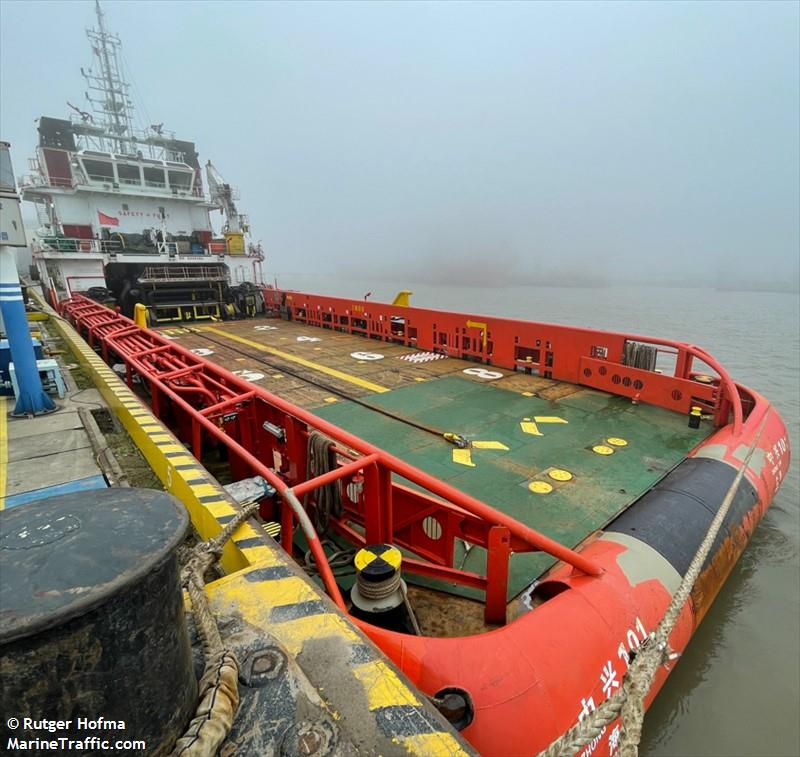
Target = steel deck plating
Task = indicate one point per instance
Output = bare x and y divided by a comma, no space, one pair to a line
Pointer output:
559,458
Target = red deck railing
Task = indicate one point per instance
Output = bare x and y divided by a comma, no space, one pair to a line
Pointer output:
566,353
207,406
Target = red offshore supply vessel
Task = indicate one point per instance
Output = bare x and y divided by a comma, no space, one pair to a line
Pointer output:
541,488
504,507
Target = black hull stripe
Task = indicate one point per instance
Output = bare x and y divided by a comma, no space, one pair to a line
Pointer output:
674,516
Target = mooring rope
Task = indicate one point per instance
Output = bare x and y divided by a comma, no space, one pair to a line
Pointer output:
628,702
321,458
218,690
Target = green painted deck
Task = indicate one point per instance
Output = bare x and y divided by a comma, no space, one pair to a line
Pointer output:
320,369
601,485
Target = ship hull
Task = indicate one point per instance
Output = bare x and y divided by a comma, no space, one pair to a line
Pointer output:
563,643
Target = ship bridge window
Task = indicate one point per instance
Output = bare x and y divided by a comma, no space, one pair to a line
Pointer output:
180,179
99,170
129,174
154,177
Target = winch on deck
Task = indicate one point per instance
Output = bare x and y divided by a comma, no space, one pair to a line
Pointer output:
178,292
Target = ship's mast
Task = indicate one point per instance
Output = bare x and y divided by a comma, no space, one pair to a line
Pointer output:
111,104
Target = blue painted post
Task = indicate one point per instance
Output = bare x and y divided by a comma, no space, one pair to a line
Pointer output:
32,399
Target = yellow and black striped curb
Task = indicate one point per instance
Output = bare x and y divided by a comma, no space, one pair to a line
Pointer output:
266,590
273,598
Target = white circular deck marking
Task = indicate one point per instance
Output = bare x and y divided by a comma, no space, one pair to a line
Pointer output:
249,375
265,328
366,355
202,351
308,339
483,373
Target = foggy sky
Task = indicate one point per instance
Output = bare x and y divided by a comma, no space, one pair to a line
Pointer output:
469,143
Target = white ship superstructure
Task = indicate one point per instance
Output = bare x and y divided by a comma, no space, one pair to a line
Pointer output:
123,214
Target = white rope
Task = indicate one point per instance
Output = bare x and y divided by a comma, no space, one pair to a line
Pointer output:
628,702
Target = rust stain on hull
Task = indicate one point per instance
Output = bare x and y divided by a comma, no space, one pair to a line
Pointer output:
712,578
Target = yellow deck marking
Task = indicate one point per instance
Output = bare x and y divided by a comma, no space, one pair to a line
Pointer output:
331,399
205,490
294,633
559,474
616,441
377,388
603,449
480,325
438,744
182,460
540,487
382,686
463,457
3,452
527,394
490,445
529,427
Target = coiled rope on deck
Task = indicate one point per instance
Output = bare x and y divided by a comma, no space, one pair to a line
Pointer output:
320,459
628,702
218,690
380,589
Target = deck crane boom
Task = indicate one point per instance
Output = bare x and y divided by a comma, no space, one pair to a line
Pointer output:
223,195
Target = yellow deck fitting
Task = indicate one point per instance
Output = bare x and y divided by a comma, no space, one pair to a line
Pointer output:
603,449
540,487
616,441
559,474
382,552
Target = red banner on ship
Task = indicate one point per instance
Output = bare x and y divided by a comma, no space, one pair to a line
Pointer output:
107,220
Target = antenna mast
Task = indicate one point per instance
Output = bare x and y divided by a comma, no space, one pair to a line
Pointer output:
111,102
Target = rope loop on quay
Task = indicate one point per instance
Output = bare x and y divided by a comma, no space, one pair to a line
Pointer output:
218,688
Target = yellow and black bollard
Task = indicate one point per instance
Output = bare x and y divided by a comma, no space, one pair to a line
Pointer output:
379,594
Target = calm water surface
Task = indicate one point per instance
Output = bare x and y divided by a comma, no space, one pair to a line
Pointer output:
736,690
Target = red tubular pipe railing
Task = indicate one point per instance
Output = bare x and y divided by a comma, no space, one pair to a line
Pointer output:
435,486
326,478
227,403
306,302
314,544
395,465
